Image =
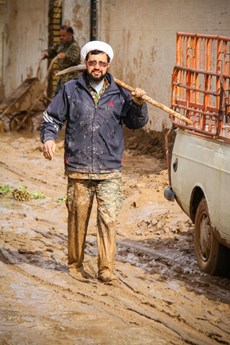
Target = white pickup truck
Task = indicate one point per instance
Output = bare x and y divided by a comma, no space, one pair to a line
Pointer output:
199,162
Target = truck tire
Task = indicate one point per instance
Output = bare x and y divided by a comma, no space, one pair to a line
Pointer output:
212,257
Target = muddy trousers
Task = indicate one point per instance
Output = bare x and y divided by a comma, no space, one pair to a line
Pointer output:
80,195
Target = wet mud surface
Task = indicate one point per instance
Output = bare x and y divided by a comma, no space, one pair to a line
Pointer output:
160,296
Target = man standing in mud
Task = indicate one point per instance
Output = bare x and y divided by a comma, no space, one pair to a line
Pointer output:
94,109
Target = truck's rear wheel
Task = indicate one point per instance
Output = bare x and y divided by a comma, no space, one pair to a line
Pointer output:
212,257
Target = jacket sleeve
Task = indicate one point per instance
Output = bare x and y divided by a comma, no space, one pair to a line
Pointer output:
73,54
54,117
134,116
53,51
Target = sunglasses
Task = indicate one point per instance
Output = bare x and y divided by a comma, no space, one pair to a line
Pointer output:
100,63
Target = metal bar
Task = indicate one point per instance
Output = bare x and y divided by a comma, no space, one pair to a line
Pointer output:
196,109
201,71
196,89
215,37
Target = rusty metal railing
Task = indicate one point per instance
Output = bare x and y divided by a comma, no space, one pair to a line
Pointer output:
201,84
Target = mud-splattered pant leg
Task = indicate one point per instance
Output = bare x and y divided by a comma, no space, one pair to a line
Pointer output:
79,203
109,199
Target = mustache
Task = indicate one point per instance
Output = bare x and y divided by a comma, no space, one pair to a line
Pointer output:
95,79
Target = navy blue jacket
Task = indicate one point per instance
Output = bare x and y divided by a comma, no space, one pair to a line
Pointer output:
94,140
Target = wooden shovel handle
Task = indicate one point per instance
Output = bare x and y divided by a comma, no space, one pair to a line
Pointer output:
155,103
129,88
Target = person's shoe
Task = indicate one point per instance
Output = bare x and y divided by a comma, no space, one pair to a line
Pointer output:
106,276
79,273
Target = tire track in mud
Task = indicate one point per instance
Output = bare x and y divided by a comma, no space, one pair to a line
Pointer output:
139,298
135,305
172,262
180,308
105,301
214,331
130,294
124,299
25,174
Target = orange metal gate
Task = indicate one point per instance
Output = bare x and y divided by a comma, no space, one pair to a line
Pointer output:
201,84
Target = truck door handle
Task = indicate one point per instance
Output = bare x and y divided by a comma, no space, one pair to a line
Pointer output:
175,164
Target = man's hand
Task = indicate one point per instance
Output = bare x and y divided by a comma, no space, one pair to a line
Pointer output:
49,149
61,56
137,93
45,54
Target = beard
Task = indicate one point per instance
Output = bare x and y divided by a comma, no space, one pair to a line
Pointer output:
94,79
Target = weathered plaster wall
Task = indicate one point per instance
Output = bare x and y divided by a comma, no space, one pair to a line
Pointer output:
77,14
143,35
1,49
24,36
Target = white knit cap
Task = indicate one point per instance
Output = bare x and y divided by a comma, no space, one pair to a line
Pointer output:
96,45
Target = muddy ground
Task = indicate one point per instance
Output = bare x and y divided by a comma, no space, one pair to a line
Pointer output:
160,297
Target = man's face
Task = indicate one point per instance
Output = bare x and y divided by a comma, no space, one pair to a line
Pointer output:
97,66
65,36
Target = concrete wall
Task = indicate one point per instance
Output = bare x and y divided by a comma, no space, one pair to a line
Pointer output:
24,32
77,14
1,49
143,35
